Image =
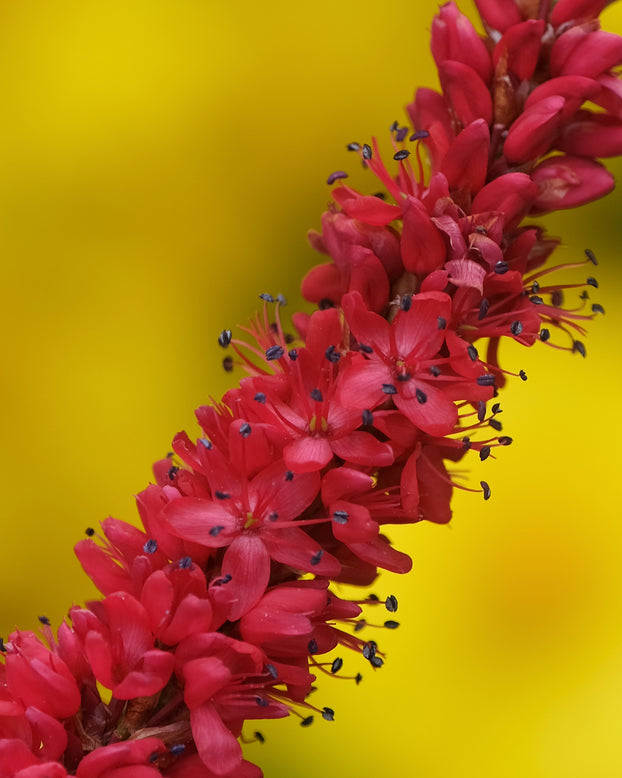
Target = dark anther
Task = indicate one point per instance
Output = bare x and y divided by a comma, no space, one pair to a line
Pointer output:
225,338
153,757
557,298
206,443
245,429
435,370
466,443
597,308
89,532
45,620
472,352
151,546
185,562
403,377
260,397
390,624
325,304
365,349
259,737
535,287
361,624
224,580
268,298
312,646
373,597
484,453
289,476
486,489
358,678
389,389
307,721
332,355
367,417
495,424
483,309
441,322
523,375
590,255
544,334
505,440
171,472
376,661
227,364
215,531
481,410
380,195
353,146
288,338
272,670
222,495
579,347
401,134
336,176
328,714
487,379
274,352
369,649
3,647
315,559
394,126
536,300
336,665
584,295
293,354
366,151
516,327
177,749
281,299
391,603
273,516
262,702
316,395
402,154
501,267
340,517
592,282
422,397
406,302
419,135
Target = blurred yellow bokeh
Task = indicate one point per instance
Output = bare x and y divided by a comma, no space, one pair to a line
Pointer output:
161,162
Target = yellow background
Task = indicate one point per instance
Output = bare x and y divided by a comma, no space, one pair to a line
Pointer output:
160,163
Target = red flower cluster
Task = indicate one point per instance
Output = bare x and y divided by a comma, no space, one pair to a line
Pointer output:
217,611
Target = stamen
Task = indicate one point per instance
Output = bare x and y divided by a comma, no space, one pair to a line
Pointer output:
523,375
367,153
501,268
245,429
486,489
225,338
44,620
390,624
222,495
389,389
487,379
316,558
481,410
151,546
422,397
274,352
472,352
316,395
391,603
332,355
89,532
406,302
268,298
441,322
483,309
590,255
289,476
484,453
328,714
227,364
336,665
336,176
401,154
544,334
185,563
260,397
367,417
516,327
579,347
353,147
340,517
177,749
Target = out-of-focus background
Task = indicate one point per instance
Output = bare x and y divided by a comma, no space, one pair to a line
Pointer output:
160,163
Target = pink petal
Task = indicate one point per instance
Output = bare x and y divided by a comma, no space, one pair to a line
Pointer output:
591,134
360,385
422,244
416,331
365,208
307,454
150,676
581,52
519,48
535,130
361,448
292,546
274,491
455,38
511,195
465,272
466,162
566,182
468,94
367,327
344,482
323,282
574,89
436,416
204,677
197,519
499,14
381,553
217,746
358,527
576,10
247,561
